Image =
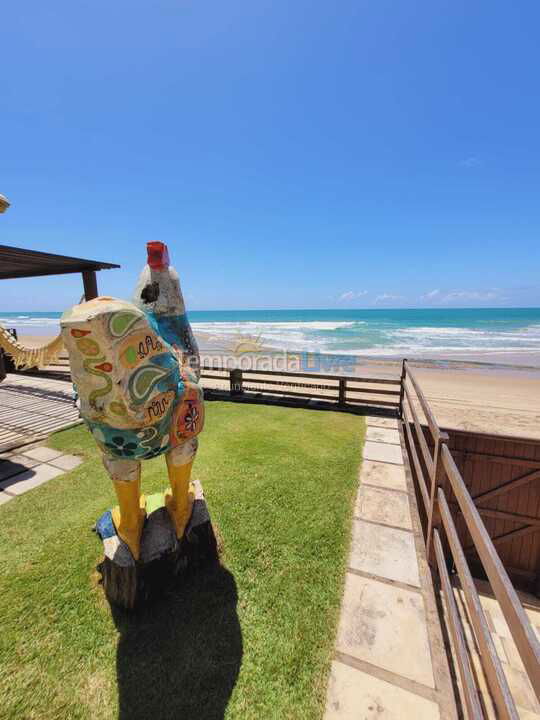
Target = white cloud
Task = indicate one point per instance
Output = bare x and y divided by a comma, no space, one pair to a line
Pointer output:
432,295
437,297
351,295
466,295
386,297
470,162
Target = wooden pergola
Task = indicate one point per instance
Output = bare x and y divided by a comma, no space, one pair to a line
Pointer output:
19,263
33,407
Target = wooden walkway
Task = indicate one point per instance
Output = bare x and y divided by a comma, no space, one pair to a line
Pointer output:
33,407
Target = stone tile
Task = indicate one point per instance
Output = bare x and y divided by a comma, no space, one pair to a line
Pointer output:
490,624
521,689
512,655
355,695
499,647
526,714
534,615
385,552
385,626
15,464
43,454
382,452
500,626
519,685
384,475
66,462
4,497
29,479
487,601
486,700
383,506
386,435
373,420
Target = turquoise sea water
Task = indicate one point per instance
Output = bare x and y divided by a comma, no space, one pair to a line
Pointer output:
428,333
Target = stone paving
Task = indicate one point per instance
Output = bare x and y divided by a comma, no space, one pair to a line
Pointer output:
30,466
520,686
389,660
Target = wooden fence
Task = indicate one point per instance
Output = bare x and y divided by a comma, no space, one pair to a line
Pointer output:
502,476
441,486
337,390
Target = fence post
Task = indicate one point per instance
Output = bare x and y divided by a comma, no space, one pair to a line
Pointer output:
434,516
342,391
236,382
402,387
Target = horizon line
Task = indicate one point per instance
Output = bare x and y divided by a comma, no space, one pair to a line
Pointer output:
329,309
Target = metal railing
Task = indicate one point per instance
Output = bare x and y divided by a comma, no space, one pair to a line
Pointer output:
433,469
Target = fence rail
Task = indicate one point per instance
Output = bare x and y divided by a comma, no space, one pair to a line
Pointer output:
339,390
435,468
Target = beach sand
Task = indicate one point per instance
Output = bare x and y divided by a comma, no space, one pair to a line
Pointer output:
34,341
502,401
485,398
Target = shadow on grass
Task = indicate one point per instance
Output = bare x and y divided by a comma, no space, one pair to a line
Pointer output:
180,657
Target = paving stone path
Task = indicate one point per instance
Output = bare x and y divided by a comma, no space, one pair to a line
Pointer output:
30,466
520,686
389,660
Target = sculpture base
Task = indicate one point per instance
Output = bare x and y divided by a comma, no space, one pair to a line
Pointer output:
164,559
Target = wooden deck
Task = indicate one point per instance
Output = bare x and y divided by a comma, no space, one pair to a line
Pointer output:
33,407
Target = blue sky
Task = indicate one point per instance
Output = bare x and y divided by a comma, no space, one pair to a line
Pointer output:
292,154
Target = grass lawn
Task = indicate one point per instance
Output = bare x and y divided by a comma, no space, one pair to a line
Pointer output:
251,639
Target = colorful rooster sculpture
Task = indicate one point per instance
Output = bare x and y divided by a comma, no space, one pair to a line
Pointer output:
136,370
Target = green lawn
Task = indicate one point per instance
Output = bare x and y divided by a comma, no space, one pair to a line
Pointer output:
252,639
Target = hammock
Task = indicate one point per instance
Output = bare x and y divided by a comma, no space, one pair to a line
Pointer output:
24,357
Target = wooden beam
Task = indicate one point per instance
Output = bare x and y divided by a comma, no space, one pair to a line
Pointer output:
418,467
495,676
507,537
503,515
342,392
402,386
351,378
90,284
370,401
429,461
507,487
430,417
524,637
474,710
437,479
502,459
373,391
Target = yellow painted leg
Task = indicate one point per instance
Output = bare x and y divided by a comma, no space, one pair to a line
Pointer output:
129,515
179,502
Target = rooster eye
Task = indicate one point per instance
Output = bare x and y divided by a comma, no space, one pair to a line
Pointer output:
150,292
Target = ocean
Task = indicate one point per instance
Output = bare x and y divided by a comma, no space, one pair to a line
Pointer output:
508,336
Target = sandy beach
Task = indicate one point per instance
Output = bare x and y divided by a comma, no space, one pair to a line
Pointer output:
502,401
467,395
